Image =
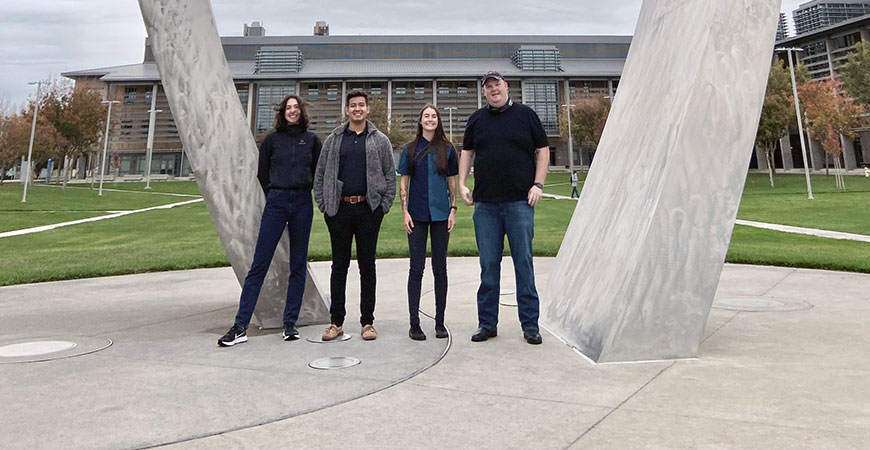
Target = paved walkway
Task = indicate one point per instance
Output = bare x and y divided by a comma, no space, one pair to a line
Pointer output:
794,376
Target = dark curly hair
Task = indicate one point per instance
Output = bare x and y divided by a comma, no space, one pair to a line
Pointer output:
281,122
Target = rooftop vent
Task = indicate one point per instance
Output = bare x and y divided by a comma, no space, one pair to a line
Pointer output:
538,58
278,60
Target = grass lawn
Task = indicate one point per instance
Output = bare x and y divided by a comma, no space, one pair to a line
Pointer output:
184,237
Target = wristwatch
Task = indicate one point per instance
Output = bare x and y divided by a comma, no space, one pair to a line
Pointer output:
540,186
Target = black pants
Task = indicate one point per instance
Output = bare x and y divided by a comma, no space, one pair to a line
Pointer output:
354,221
417,247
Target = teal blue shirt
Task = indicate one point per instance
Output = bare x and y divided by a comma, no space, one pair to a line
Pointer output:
428,196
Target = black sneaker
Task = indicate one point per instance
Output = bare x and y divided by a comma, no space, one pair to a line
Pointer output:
290,332
441,332
236,335
416,333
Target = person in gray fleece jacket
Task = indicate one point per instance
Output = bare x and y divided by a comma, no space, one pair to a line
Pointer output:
354,186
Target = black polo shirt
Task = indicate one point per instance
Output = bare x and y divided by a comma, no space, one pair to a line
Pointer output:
504,145
352,162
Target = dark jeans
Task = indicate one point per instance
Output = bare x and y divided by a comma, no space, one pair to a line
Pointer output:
492,221
417,247
285,209
574,192
354,221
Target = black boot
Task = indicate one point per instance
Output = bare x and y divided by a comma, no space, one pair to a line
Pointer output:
416,333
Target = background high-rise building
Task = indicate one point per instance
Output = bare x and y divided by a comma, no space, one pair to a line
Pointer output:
824,13
782,31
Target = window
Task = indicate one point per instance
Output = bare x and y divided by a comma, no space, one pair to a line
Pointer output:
173,130
419,92
332,93
126,127
443,91
143,129
148,97
269,95
543,97
129,95
376,90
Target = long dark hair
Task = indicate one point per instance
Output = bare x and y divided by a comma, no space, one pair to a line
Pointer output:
281,122
439,143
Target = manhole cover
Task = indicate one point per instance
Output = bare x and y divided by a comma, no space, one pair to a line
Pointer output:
318,339
760,304
47,350
334,363
34,348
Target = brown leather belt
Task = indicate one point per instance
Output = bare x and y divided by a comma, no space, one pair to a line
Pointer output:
354,199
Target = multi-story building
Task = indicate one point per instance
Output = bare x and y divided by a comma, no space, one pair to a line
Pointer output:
782,28
818,14
400,72
824,51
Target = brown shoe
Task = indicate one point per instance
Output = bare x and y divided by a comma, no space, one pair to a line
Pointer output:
332,332
369,333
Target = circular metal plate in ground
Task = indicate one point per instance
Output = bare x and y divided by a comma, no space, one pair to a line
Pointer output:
35,348
49,349
334,363
318,339
760,304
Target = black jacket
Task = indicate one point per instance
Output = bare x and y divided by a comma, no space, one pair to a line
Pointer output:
288,157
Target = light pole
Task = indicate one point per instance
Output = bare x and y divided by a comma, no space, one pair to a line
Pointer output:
106,141
30,146
570,140
797,110
150,143
450,110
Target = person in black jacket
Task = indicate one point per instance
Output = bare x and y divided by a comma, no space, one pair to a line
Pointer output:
288,157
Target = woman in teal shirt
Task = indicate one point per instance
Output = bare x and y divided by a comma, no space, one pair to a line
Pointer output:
429,165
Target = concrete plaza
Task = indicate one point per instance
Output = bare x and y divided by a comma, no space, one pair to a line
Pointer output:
784,363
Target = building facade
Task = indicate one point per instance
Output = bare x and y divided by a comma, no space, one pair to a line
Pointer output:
824,51
819,14
401,73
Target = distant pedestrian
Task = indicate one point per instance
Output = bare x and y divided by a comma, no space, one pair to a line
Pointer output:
574,185
429,164
288,157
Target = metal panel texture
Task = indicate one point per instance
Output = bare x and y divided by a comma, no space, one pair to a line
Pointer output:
637,271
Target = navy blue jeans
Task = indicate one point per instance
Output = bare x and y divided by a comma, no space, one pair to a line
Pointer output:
417,249
285,209
492,221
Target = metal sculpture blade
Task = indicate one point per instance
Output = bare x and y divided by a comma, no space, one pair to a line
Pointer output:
638,268
217,139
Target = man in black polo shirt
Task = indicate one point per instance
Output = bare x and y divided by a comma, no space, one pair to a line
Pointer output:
354,186
508,147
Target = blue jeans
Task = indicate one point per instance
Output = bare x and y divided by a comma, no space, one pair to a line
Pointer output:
417,250
285,209
492,221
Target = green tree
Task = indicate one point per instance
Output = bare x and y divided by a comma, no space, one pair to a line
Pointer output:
588,117
855,74
78,118
776,114
392,127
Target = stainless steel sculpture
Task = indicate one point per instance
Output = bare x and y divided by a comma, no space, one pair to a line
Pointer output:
217,139
636,274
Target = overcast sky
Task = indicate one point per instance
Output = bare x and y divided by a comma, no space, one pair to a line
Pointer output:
41,39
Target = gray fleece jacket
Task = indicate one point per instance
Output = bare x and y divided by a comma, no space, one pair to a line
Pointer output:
380,171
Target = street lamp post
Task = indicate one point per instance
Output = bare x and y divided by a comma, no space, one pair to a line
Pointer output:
450,113
149,146
30,146
797,109
570,140
106,141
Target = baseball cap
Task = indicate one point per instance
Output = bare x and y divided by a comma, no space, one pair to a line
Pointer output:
491,74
